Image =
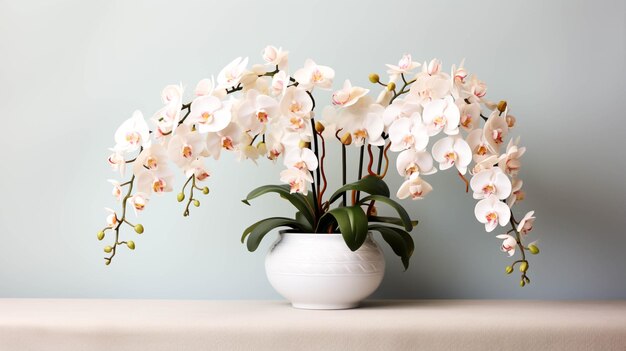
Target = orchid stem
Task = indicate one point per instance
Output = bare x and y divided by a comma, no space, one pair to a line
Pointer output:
361,152
343,172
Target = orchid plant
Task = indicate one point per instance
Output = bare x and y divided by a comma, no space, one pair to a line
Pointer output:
263,111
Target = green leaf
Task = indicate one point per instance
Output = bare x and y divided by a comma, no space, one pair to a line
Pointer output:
404,216
390,220
369,184
304,222
352,223
258,230
400,241
299,201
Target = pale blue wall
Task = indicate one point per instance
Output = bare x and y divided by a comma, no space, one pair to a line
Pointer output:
71,71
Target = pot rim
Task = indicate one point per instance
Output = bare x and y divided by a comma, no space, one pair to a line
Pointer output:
290,232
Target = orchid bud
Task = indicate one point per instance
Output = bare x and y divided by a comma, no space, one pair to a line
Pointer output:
131,244
523,267
501,105
180,197
522,283
100,235
205,190
509,269
533,249
319,127
374,78
391,86
346,139
261,148
108,249
107,261
196,203
510,120
304,144
139,228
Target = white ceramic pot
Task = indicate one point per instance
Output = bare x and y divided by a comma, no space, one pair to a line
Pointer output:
318,271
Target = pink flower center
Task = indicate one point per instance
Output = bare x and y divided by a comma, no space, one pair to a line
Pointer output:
491,217
450,157
152,162
187,151
227,143
489,189
411,168
262,116
439,121
158,186
360,134
497,135
133,138
207,117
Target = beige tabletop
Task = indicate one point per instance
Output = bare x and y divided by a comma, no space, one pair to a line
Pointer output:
64,324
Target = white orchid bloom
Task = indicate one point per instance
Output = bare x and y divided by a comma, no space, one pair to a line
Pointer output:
301,158
510,161
228,138
517,194
486,163
477,88
459,88
363,120
479,146
415,187
132,134
433,67
111,219
197,169
442,114
491,182
117,162
405,66
185,146
208,87
256,111
279,84
492,212
275,56
495,131
509,244
157,181
526,224
348,95
314,75
297,179
233,72
413,162
117,189
470,115
209,113
406,133
172,94
296,103
399,109
138,201
452,151
153,158
430,84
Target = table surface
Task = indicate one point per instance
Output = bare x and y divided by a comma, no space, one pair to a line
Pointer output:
68,324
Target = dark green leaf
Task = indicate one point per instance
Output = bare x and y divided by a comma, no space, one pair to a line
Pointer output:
304,222
299,201
390,220
400,241
352,223
369,184
406,220
258,230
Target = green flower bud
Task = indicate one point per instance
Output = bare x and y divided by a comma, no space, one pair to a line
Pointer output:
509,269
374,78
130,244
100,235
205,190
107,261
196,203
391,86
522,283
523,267
180,197
139,228
108,249
533,249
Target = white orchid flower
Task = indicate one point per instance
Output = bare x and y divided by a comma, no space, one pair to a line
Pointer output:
275,56
405,66
414,187
117,162
433,67
517,194
412,162
442,114
301,158
406,133
138,201
209,113
477,88
363,120
495,131
132,134
296,103
510,161
231,74
297,179
509,244
491,182
526,224
279,84
470,115
399,109
486,163
172,94
492,212
256,111
117,189
208,87
314,75
479,146
185,146
111,219
348,95
430,84
153,158
452,151
197,169
227,139
155,180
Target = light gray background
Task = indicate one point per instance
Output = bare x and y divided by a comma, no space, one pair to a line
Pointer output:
71,71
